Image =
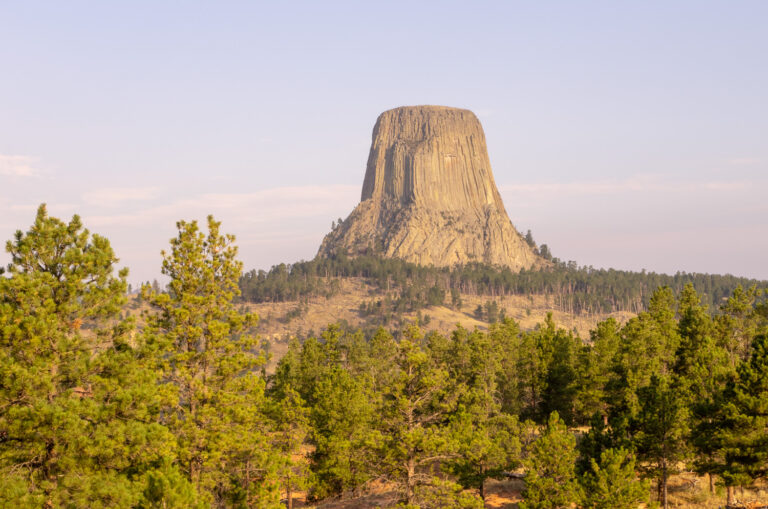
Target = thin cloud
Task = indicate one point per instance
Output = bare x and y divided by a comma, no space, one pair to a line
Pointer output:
271,225
636,184
744,161
597,187
306,198
726,186
115,196
18,166
269,205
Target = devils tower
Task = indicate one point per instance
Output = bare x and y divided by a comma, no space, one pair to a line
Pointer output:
429,196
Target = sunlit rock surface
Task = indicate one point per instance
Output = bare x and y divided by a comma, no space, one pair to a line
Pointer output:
429,196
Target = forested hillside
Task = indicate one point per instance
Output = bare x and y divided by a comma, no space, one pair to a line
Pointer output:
574,289
97,412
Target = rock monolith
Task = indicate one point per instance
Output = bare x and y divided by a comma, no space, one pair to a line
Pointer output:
429,196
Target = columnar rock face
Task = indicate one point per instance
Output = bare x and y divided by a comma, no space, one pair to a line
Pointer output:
429,196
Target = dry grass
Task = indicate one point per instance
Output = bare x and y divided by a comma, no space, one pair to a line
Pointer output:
276,328
499,495
318,312
503,494
686,491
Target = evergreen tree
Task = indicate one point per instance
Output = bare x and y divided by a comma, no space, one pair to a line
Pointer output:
612,483
595,368
695,328
488,447
647,348
741,432
209,360
382,353
443,493
530,375
417,406
559,350
706,382
510,384
529,239
343,434
702,370
545,252
78,403
291,427
287,376
661,428
550,477
488,440
738,323
594,443
313,364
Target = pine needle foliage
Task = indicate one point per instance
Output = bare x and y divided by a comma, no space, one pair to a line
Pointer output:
78,400
211,363
550,478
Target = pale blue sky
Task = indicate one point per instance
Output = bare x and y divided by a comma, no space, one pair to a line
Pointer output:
626,135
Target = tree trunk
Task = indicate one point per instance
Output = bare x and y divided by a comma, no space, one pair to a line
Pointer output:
658,490
664,484
729,495
482,489
711,483
289,494
248,481
194,473
410,481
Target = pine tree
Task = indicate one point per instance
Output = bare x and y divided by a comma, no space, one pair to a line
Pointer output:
702,369
559,349
506,336
695,328
287,376
291,429
343,434
741,433
595,368
78,402
661,429
529,239
738,323
444,493
488,447
313,364
209,360
382,352
488,440
550,477
612,483
417,407
530,375
647,348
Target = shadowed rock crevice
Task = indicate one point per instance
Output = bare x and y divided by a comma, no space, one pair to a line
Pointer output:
429,196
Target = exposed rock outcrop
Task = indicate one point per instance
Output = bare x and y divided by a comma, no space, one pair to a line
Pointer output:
429,196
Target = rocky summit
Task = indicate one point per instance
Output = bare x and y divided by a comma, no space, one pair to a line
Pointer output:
429,196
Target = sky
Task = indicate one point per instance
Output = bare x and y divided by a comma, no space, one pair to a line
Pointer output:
631,135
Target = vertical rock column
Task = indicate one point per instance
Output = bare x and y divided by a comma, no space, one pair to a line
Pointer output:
429,196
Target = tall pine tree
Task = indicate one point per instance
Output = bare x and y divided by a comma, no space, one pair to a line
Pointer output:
78,400
742,433
550,474
211,362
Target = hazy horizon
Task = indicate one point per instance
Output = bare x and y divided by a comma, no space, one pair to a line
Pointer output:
630,137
